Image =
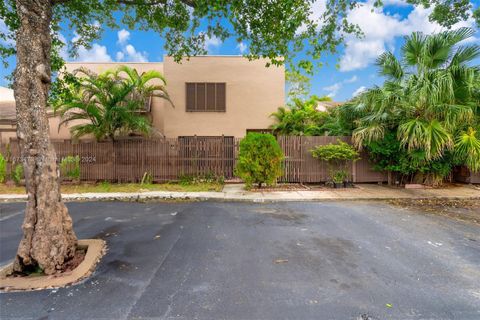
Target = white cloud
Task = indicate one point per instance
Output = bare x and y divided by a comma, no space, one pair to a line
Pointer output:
128,52
123,36
351,80
242,47
317,8
380,31
97,53
212,42
334,88
120,56
133,55
359,90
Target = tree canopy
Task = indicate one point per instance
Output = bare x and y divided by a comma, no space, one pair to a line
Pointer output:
276,30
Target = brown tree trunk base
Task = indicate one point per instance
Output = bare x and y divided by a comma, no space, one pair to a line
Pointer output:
46,244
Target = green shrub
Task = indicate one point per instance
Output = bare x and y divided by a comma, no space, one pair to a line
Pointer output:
17,174
337,157
70,167
405,166
106,186
260,160
147,178
3,168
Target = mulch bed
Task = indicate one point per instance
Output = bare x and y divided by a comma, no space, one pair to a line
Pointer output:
466,210
69,266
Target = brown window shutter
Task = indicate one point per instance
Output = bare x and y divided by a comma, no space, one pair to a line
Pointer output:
205,96
220,97
211,97
191,97
201,97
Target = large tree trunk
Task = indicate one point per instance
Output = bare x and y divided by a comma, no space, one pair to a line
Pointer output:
48,239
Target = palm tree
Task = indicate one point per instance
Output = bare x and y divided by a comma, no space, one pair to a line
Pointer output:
300,117
110,104
430,99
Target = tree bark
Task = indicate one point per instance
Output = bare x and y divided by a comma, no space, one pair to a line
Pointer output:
48,240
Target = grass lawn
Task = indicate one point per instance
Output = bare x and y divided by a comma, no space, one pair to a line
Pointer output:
125,187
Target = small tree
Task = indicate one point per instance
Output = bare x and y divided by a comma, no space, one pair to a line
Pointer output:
260,160
337,157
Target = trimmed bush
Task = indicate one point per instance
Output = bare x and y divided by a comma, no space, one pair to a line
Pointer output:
260,160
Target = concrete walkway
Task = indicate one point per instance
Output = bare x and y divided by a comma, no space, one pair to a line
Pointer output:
237,192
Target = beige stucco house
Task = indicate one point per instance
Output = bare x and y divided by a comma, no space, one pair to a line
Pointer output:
212,96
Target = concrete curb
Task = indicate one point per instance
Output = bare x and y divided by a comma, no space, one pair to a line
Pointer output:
96,250
226,196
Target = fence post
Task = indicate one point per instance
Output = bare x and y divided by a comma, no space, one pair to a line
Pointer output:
354,171
114,162
302,158
223,158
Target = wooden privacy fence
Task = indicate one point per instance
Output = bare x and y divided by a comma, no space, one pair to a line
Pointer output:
301,166
170,158
164,159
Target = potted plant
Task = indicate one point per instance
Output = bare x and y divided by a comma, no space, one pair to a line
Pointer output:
339,178
337,157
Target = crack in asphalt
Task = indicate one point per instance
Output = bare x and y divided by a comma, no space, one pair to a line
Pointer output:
142,290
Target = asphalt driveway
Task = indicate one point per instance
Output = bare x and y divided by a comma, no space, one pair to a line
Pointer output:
219,260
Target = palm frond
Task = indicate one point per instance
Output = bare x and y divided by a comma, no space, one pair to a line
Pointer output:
362,135
389,66
467,149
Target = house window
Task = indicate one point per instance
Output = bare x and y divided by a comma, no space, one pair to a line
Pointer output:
206,96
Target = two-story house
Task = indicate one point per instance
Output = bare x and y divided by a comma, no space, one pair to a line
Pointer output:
212,96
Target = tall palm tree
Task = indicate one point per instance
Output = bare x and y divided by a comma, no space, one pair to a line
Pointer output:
110,104
430,99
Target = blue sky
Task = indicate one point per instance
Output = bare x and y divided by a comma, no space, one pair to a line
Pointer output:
347,72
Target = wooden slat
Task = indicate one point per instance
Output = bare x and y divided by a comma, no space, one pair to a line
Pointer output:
127,160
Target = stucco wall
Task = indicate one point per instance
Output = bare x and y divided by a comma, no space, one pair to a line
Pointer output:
253,92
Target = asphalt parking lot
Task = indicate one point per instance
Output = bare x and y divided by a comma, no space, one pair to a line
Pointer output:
234,260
